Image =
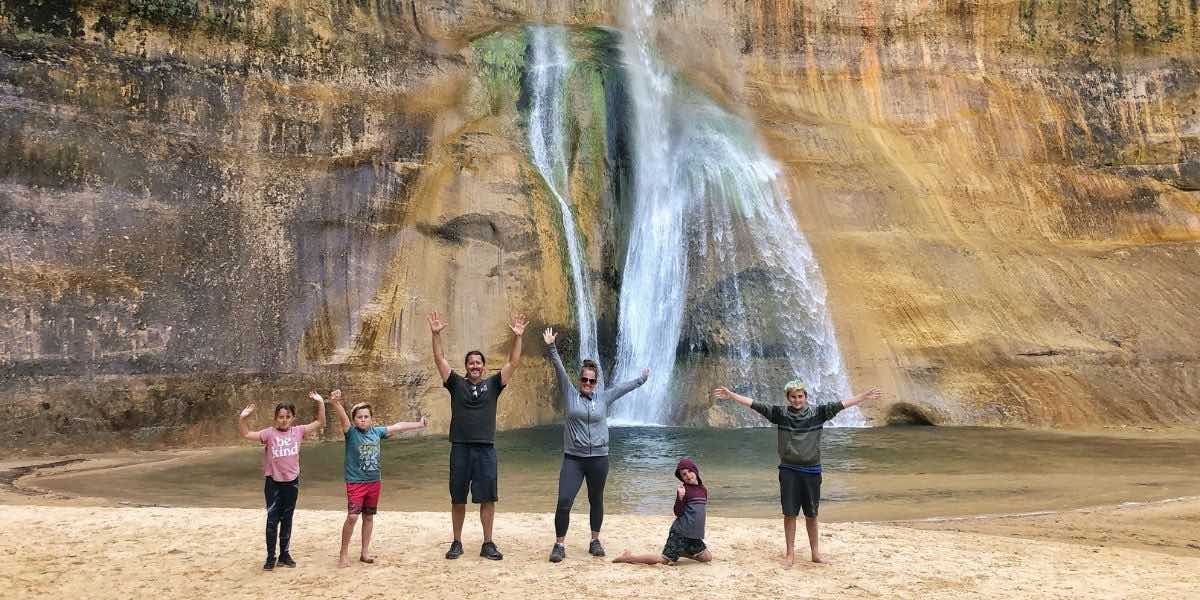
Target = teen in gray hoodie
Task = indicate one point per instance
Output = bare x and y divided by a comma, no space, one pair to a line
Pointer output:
585,444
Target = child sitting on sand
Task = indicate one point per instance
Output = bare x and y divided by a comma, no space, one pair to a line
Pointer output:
800,425
362,470
281,467
686,537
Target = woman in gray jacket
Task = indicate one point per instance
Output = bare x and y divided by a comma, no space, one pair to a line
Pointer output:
585,444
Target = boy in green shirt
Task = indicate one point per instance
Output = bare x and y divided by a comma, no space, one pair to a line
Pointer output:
799,429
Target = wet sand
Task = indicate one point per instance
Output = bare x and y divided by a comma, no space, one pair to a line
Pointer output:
1169,526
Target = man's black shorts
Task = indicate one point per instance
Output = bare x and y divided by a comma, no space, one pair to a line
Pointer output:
473,467
799,491
677,546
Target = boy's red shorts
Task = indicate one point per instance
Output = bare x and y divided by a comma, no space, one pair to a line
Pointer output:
362,498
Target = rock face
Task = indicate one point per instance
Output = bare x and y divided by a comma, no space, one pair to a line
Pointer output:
204,204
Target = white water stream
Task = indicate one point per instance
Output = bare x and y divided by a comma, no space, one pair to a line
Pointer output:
705,191
547,83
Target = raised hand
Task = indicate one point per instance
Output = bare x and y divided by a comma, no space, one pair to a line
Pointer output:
335,395
436,324
722,393
549,336
517,325
316,396
247,411
646,373
422,423
872,395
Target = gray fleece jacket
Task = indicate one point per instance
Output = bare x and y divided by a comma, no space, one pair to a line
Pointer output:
585,431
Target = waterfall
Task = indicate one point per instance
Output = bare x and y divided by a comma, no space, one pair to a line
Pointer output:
704,190
653,284
547,75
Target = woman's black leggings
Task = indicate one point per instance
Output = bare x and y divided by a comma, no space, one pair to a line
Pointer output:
281,503
574,470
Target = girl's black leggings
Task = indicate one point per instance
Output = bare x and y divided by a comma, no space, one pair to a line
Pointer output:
575,470
281,503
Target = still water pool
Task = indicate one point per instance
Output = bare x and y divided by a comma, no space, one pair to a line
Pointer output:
870,474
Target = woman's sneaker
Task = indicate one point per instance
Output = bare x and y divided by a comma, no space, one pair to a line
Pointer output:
455,550
270,564
286,560
595,549
557,553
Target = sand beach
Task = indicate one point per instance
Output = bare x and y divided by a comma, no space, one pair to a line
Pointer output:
56,546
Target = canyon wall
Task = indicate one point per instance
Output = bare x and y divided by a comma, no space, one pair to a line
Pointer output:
204,204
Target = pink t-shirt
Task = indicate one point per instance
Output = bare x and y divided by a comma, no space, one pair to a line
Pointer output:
281,452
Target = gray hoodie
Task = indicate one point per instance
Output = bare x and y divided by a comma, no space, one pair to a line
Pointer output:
585,431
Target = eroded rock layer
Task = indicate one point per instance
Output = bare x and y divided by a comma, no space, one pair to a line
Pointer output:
208,203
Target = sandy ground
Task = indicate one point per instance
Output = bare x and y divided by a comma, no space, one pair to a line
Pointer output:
116,552
56,546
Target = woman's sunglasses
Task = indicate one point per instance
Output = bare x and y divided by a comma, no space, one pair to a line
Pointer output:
587,380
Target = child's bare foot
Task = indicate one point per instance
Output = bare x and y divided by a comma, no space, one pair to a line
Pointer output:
367,558
817,558
624,557
343,562
788,560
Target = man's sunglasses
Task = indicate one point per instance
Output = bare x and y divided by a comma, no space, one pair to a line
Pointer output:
587,380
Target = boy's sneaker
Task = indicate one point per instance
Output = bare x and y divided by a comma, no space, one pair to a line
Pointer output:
596,549
489,551
286,560
455,550
557,553
270,564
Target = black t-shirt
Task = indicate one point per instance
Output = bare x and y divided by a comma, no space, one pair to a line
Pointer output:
473,408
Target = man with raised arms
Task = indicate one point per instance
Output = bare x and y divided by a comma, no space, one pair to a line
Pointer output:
473,399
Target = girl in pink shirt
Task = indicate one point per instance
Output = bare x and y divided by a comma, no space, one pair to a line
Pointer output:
281,467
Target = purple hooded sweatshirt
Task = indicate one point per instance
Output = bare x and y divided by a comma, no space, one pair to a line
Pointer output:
691,508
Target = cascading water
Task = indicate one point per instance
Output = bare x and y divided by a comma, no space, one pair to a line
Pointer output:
701,177
749,238
653,284
546,74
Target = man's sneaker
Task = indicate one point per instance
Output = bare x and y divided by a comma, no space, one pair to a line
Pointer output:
270,564
286,560
596,549
557,553
455,550
489,551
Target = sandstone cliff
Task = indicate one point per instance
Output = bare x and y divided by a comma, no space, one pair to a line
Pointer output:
209,203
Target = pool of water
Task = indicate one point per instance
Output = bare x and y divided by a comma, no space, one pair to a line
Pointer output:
870,474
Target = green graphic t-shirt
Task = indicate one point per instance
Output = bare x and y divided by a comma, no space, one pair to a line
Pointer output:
362,454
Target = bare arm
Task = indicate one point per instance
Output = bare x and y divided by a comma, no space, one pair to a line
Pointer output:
725,393
436,325
872,394
335,398
514,354
402,426
244,425
319,423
